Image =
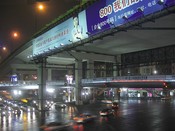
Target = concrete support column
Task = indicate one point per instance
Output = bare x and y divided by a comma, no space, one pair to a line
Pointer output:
90,67
49,74
117,70
78,77
92,94
21,76
42,84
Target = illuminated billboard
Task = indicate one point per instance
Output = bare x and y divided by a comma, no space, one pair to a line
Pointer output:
108,14
102,15
71,30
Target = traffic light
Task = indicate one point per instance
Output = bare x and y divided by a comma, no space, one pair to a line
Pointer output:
165,84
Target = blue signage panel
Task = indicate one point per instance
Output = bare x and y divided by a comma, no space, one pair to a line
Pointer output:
107,14
14,78
72,30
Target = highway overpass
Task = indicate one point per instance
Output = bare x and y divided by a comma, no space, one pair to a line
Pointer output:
150,81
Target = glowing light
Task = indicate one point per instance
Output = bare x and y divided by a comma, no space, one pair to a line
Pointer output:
4,48
40,7
138,95
155,72
124,89
50,90
24,100
15,34
15,92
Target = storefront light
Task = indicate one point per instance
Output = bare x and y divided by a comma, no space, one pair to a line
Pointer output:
171,93
124,89
138,95
155,72
19,92
50,90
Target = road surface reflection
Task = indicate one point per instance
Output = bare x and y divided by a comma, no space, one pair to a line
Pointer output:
133,116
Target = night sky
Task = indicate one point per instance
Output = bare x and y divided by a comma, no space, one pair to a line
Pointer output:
23,17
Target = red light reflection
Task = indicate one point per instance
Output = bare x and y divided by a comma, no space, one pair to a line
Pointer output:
77,127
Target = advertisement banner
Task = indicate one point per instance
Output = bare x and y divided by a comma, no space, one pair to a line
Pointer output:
71,30
102,15
106,14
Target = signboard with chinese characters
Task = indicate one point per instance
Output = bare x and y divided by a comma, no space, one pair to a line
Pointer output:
108,14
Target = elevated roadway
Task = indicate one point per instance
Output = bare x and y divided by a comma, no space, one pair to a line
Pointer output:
151,81
149,32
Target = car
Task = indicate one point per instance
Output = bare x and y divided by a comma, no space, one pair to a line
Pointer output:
83,118
27,108
55,126
2,105
60,105
166,98
5,113
115,105
16,111
106,101
106,112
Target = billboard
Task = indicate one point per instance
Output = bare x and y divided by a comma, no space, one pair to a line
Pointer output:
108,14
71,30
102,15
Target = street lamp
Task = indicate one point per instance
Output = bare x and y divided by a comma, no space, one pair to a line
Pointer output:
4,48
17,94
40,7
15,35
155,72
3,52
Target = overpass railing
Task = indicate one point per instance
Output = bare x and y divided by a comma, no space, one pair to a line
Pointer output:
29,83
167,78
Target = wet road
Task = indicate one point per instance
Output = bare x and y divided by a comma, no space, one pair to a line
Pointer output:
133,115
